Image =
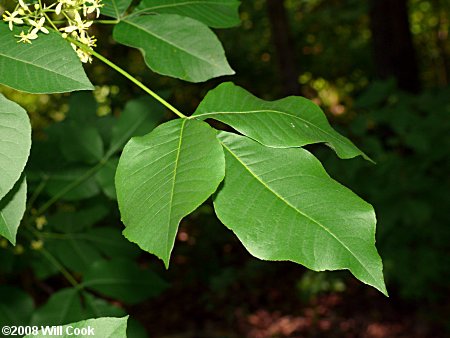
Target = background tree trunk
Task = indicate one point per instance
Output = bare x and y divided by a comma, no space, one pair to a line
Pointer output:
284,44
394,53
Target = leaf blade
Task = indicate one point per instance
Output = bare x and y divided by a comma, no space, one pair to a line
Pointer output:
15,143
107,327
289,122
12,209
164,176
214,13
115,8
124,280
49,65
175,46
298,213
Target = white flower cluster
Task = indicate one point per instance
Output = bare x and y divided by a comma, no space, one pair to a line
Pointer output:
76,19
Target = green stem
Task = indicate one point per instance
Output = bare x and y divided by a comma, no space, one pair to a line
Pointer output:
36,193
107,22
61,268
128,76
53,260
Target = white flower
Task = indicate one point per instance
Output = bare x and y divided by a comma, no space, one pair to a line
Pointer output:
84,57
11,19
79,25
22,4
94,7
66,3
26,38
88,40
38,26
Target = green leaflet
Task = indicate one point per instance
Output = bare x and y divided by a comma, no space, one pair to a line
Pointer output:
138,118
15,143
164,176
105,177
81,143
62,307
12,208
102,327
214,13
48,65
283,206
175,46
123,280
115,8
289,122
61,179
16,306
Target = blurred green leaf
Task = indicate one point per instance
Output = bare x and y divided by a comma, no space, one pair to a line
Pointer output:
123,280
111,242
76,255
75,221
81,143
62,307
214,13
138,118
16,306
105,178
59,181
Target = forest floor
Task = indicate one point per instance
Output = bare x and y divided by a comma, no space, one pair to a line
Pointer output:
262,300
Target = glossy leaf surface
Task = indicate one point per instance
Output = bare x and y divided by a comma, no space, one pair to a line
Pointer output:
283,206
164,176
289,122
174,45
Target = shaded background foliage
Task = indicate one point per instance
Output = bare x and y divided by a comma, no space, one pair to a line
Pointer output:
381,71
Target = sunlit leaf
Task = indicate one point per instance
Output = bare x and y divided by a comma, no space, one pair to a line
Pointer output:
164,176
289,122
101,327
283,206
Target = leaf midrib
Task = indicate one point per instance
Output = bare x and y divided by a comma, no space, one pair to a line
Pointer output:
172,193
297,210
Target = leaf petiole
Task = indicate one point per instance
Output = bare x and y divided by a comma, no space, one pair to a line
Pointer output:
128,76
